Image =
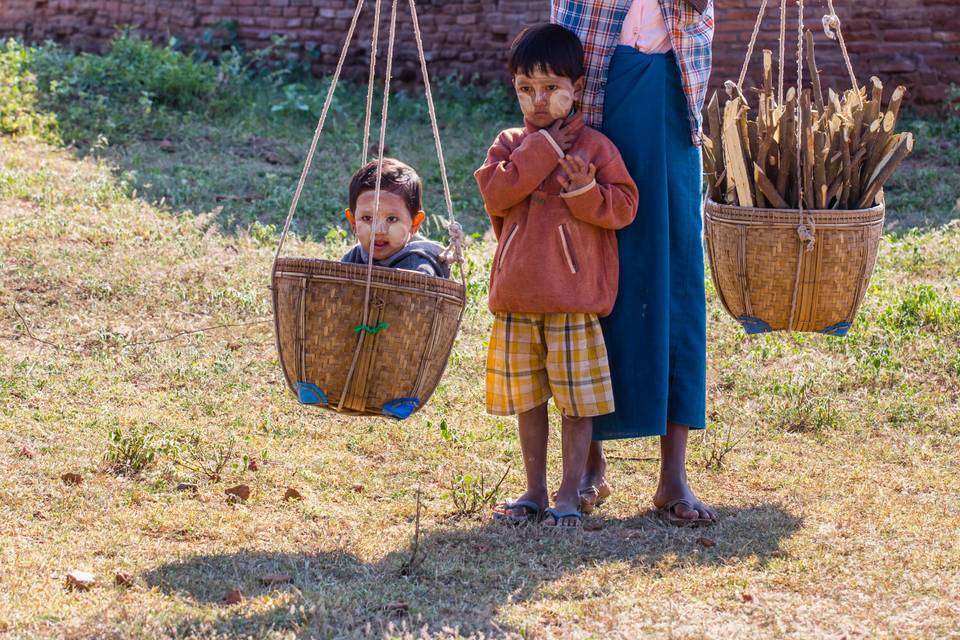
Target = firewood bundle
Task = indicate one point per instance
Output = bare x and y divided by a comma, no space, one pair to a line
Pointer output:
848,147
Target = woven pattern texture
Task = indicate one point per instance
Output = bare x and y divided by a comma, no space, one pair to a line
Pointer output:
753,260
318,305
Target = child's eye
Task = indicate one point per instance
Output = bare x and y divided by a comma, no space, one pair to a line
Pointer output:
392,219
552,87
366,218
525,89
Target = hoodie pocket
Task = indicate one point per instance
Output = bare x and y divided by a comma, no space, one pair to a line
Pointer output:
506,245
567,245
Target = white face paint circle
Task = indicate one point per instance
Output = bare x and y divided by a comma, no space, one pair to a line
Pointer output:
561,101
526,104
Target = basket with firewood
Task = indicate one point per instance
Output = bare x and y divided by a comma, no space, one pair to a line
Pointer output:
795,208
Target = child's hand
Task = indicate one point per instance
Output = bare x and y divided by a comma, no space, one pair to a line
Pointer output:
561,134
580,173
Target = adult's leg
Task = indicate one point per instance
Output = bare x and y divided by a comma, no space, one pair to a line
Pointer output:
673,483
534,428
595,475
575,443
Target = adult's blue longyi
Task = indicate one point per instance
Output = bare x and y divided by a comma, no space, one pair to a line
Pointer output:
656,335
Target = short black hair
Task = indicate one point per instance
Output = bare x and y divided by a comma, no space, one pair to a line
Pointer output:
547,48
398,177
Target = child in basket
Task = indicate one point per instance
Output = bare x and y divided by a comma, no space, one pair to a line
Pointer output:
556,191
396,243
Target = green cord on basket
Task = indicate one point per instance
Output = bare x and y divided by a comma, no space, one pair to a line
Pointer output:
371,330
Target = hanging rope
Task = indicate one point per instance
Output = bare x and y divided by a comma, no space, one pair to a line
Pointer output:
319,130
373,74
783,40
753,41
831,26
454,252
376,207
807,227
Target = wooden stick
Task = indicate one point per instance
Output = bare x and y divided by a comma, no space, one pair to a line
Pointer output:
814,72
767,189
737,177
885,169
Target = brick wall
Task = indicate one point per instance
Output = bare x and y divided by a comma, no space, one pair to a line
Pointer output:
914,42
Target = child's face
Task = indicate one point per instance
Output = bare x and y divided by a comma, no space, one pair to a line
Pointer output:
391,230
546,97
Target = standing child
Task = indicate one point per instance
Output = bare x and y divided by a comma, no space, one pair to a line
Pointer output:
556,191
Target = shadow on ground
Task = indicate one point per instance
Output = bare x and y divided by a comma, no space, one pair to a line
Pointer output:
466,575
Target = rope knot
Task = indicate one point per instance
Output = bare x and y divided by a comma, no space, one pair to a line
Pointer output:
454,251
806,235
831,25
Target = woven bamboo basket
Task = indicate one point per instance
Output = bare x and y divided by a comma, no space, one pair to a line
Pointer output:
767,280
413,320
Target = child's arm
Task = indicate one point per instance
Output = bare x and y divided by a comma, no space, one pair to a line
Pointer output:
509,176
606,196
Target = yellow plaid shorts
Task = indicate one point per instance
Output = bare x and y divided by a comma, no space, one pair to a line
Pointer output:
535,355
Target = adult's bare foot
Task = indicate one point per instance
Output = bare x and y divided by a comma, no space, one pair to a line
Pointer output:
673,491
594,488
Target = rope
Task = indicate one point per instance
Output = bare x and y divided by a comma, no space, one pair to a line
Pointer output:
753,41
316,134
805,231
783,39
454,252
831,26
373,71
376,196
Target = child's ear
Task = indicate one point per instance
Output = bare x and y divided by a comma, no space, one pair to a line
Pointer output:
349,216
578,88
417,221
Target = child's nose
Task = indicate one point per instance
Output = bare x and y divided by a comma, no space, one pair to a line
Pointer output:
380,227
541,97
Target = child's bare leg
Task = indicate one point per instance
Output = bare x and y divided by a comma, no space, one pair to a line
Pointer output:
534,428
576,436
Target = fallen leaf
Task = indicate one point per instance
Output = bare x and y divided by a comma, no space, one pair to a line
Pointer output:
358,488
234,346
241,491
27,452
188,486
123,579
72,478
234,597
292,494
704,541
253,465
80,580
275,578
167,146
39,515
746,597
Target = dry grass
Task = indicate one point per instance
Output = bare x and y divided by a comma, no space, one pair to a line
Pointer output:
839,499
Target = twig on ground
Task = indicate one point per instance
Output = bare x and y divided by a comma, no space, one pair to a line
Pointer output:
410,565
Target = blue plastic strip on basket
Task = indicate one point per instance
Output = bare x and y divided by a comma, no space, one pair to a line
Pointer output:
401,408
754,325
840,329
310,394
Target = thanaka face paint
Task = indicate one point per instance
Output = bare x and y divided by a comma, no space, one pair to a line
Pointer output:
390,230
546,97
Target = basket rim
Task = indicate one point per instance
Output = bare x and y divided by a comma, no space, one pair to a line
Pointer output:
730,208
300,266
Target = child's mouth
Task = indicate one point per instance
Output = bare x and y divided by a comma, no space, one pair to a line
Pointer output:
380,244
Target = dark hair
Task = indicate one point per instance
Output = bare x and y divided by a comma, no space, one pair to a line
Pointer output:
547,48
398,178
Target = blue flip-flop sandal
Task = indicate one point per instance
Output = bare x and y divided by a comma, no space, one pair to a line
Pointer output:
531,512
560,515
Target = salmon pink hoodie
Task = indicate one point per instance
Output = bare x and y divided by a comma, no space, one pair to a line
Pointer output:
557,252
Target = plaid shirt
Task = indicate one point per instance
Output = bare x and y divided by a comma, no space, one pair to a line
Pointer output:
598,24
